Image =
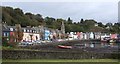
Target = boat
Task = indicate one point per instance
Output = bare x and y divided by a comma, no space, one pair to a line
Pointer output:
105,39
64,47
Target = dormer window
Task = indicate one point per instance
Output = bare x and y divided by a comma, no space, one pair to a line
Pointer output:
30,30
24,30
33,31
11,29
27,30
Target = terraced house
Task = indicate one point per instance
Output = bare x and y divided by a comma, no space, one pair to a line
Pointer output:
8,32
17,34
28,34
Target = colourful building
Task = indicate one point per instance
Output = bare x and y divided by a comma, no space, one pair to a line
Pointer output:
8,32
30,34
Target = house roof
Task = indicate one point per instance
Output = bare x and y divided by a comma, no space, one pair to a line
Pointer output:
37,29
5,28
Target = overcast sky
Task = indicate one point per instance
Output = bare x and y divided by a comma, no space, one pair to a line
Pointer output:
100,11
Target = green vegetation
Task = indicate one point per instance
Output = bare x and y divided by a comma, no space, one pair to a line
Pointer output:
62,60
17,16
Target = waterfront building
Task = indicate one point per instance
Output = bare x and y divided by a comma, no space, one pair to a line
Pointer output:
47,35
8,32
30,34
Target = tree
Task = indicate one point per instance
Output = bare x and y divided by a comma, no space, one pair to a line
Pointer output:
18,11
109,24
29,15
69,20
40,19
87,24
18,33
82,21
100,24
116,28
4,41
49,20
58,23
16,16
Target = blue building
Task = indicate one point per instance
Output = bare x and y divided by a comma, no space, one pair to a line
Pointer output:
47,35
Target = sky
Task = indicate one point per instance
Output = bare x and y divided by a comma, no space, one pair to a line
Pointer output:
101,11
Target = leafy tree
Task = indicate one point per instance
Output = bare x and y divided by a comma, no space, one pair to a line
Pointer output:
4,41
49,22
109,24
116,28
69,20
16,16
82,21
18,11
18,33
100,24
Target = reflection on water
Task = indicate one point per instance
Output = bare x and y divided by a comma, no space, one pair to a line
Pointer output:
98,44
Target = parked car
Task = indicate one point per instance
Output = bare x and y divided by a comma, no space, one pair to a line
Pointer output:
37,42
79,46
25,44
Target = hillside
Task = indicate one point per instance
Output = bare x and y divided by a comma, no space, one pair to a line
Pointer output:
14,16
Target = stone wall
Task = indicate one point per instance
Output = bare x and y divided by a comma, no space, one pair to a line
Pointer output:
22,54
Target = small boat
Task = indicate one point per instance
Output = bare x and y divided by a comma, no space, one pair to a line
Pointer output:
64,47
106,39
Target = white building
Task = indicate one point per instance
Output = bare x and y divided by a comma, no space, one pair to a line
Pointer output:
30,35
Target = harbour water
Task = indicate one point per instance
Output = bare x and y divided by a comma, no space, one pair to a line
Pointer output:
88,46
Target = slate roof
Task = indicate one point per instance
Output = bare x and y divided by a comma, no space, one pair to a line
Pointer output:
5,28
36,29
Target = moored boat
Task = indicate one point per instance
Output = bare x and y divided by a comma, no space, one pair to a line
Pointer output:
64,47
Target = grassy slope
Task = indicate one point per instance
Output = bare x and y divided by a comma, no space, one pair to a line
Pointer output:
62,60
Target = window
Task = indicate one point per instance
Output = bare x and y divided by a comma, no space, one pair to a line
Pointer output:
7,34
30,30
11,29
24,30
4,34
35,31
27,30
